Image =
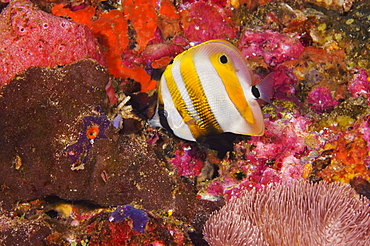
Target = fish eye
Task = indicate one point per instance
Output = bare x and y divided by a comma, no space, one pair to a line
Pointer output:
256,93
223,59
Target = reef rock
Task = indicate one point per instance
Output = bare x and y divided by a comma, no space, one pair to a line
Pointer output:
57,141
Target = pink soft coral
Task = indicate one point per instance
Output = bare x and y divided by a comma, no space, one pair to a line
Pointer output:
273,158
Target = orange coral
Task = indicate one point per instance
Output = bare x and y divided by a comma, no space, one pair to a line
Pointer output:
92,132
307,170
162,62
348,161
82,16
186,18
318,55
168,9
143,18
352,152
111,29
168,19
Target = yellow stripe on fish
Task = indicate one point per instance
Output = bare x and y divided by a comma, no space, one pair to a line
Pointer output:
208,90
203,119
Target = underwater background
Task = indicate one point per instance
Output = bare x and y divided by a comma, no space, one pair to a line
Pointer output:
81,166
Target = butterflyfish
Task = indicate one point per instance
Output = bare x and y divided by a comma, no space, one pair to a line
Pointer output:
208,90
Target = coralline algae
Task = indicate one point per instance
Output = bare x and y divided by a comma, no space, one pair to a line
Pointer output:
275,48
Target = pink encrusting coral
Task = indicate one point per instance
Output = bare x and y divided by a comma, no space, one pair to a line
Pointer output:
31,37
364,128
283,143
202,21
320,100
360,84
187,161
275,48
272,158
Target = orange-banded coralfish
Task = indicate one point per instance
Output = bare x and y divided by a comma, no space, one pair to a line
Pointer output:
207,90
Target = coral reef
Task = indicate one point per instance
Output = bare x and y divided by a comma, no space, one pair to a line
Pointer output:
76,150
274,47
320,100
187,161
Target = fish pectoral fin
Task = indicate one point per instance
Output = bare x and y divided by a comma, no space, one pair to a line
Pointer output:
266,87
155,121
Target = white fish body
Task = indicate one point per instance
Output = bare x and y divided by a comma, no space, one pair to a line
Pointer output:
208,90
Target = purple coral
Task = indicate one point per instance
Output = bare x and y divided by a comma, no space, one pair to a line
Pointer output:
320,100
275,48
139,217
93,129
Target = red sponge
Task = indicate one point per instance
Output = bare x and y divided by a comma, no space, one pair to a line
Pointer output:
32,37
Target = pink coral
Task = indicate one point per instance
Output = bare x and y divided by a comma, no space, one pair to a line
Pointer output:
203,21
275,48
364,128
31,37
320,100
187,162
360,84
296,213
283,138
151,55
273,158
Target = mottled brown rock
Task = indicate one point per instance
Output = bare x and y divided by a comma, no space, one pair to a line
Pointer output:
362,186
23,232
39,116
42,112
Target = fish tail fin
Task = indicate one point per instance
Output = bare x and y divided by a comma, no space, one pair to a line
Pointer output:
266,88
